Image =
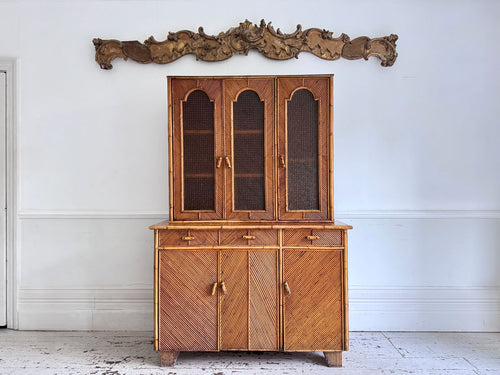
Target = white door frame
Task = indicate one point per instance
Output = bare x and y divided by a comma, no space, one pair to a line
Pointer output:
8,65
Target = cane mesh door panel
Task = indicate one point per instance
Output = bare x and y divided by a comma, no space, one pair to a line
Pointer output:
198,151
249,136
198,184
304,128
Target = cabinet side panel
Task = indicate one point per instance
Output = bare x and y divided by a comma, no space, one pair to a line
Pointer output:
313,308
263,322
188,310
234,302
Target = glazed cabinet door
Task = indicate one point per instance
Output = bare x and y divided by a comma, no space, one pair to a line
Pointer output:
188,318
197,154
249,300
312,300
249,143
304,148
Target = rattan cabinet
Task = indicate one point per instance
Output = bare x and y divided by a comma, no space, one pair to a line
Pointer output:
251,258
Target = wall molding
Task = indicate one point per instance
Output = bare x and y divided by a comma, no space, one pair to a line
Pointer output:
82,214
379,308
418,214
340,215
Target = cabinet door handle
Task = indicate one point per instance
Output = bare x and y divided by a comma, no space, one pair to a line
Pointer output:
214,289
228,162
223,287
312,237
219,161
187,238
282,162
248,237
287,288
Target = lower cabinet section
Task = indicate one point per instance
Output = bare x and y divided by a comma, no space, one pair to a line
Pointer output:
269,298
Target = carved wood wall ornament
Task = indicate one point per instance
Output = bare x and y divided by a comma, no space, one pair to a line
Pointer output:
239,40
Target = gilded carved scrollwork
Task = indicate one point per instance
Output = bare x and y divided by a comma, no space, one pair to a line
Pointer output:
239,40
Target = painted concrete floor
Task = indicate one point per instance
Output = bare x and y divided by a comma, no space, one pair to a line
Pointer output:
371,353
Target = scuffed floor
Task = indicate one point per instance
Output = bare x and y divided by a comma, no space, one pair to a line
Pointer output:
371,353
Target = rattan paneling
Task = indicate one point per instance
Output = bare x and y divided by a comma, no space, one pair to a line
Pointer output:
312,237
313,310
250,237
263,322
187,310
186,237
234,304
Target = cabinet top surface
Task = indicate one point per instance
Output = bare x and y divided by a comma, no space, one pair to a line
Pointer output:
255,76
166,224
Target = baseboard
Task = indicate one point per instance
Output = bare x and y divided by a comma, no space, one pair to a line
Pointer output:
371,309
424,308
86,309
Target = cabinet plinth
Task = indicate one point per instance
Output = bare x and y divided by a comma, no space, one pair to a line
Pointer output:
251,258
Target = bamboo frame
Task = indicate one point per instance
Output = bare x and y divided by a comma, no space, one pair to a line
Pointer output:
331,165
345,294
156,295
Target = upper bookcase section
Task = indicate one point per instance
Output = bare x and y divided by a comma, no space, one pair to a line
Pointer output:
251,148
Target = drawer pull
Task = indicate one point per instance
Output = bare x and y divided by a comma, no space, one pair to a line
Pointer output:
248,237
228,162
214,288
312,237
282,162
287,288
187,238
223,287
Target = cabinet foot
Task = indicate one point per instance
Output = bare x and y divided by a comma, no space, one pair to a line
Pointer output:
333,359
168,359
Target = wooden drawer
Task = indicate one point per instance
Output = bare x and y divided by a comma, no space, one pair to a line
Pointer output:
249,237
185,237
312,237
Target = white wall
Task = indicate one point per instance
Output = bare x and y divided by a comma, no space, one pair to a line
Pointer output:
416,155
